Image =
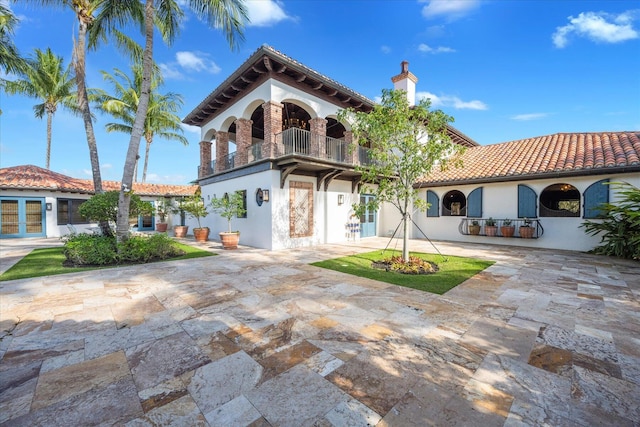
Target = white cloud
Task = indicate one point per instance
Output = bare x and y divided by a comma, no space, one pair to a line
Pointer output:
598,27
452,9
529,116
452,101
440,49
265,13
196,61
190,129
176,179
385,49
190,62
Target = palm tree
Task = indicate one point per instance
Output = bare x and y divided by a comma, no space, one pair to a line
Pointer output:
161,119
84,11
46,79
10,59
166,15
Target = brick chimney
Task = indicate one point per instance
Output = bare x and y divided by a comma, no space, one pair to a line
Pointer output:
406,81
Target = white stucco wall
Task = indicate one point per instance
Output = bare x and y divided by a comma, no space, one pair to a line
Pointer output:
500,200
275,91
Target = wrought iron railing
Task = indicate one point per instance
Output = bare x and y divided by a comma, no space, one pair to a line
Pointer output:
519,228
295,141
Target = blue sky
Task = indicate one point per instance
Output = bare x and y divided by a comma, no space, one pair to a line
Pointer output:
505,70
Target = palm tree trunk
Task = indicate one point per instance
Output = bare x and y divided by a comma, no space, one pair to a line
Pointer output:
49,119
146,160
83,104
122,225
80,50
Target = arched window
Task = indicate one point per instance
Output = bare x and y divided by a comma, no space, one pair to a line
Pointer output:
454,203
560,200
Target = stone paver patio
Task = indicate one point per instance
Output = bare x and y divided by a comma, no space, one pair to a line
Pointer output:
261,338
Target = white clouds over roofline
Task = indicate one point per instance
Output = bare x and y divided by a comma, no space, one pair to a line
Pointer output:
440,49
190,62
451,9
451,101
529,116
598,27
265,13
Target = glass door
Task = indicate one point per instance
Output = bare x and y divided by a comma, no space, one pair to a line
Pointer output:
368,218
22,217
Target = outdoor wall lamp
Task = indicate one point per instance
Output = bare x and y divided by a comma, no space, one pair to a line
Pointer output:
340,199
265,195
49,206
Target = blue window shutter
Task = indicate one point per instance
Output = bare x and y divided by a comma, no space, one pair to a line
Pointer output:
527,202
597,193
474,203
434,201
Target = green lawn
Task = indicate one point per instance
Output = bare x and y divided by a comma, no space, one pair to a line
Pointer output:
48,261
451,272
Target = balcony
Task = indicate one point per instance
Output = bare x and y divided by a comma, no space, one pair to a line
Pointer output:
517,228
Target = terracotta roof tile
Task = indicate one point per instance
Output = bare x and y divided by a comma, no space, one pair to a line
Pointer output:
560,153
36,178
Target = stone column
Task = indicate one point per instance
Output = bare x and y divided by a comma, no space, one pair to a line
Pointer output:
351,156
318,128
222,150
272,127
205,159
243,141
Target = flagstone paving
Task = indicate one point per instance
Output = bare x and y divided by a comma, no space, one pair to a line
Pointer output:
258,338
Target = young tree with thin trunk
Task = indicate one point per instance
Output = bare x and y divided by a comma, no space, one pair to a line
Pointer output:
165,15
45,78
406,142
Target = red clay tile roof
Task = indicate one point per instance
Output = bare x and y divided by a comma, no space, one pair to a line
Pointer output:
543,156
31,177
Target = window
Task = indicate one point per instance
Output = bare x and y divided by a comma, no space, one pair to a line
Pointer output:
454,203
243,193
68,212
434,202
527,202
474,209
560,200
594,196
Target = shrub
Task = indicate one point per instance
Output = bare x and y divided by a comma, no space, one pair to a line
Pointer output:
90,249
619,228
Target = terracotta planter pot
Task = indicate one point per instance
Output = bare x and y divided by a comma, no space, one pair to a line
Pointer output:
201,234
507,230
491,230
474,230
161,227
526,232
229,240
180,230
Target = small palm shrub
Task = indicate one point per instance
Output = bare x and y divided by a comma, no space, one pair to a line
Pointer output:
90,249
619,228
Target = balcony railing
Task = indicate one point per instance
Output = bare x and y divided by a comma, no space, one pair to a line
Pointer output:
295,141
519,228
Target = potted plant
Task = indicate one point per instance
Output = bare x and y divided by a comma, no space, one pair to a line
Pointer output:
227,207
474,228
490,227
526,230
506,229
180,230
163,208
194,207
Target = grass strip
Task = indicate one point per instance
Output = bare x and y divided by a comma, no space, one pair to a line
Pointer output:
48,262
450,274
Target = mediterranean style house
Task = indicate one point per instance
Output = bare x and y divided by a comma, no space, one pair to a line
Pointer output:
270,131
37,202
